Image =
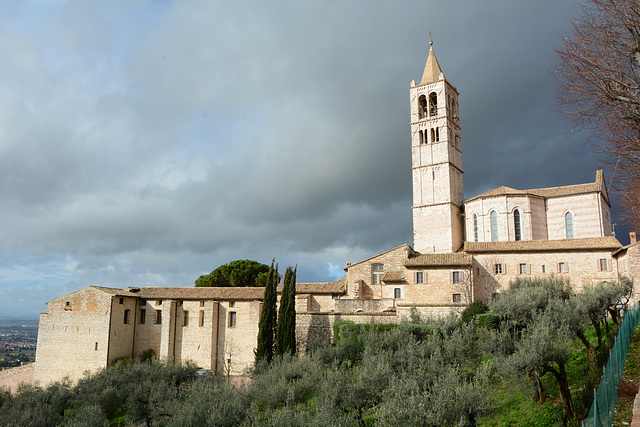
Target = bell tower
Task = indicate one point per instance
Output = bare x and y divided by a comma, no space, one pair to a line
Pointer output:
436,156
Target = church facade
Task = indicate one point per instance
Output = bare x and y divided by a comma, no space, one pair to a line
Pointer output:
463,250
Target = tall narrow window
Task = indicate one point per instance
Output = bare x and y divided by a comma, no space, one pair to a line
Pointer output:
232,319
421,137
516,224
422,107
201,318
494,226
568,222
455,277
437,135
420,277
475,227
376,273
127,316
433,135
397,293
186,319
158,319
433,104
143,316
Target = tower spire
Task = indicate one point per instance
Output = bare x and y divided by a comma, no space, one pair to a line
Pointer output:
432,69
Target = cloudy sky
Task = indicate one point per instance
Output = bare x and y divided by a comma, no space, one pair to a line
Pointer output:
144,143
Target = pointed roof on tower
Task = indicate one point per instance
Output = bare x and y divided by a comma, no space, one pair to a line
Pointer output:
432,70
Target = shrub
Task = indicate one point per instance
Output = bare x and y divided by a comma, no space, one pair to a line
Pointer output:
488,320
475,308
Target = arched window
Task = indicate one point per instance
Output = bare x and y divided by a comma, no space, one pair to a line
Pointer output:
568,222
422,107
421,137
516,224
437,135
475,227
494,226
433,104
433,135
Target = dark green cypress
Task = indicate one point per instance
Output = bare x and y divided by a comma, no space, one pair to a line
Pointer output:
267,324
286,329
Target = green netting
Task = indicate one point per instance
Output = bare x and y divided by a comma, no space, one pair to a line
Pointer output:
605,396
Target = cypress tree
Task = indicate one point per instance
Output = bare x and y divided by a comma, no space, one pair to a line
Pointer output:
286,328
267,324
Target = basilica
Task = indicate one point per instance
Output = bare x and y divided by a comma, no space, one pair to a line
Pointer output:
463,250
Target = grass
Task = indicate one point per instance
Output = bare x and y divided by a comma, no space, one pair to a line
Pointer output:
515,406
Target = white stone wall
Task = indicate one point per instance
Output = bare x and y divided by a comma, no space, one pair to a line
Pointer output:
590,216
73,336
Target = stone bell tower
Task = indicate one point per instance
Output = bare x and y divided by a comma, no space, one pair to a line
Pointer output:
436,155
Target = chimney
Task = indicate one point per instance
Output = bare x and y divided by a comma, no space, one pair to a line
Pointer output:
632,237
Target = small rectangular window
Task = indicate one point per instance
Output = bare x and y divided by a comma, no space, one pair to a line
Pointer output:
159,302
562,267
497,269
419,277
158,317
232,303
455,278
201,303
121,301
95,347
232,319
201,318
544,268
397,293
127,315
522,268
143,302
186,319
143,316
604,264
180,303
457,297
335,296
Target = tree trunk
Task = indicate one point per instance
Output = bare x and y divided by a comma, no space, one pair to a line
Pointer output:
539,394
591,352
563,388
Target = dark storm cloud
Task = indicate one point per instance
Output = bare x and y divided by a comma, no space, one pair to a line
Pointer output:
147,143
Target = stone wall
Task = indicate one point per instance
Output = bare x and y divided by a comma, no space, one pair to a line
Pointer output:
73,336
310,326
10,379
582,268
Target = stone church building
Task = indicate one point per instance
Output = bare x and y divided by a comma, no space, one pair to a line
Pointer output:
463,250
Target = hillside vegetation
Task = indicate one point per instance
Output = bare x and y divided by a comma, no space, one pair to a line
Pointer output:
530,358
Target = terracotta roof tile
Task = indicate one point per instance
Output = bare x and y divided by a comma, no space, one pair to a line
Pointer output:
438,260
217,293
393,276
550,192
336,287
591,243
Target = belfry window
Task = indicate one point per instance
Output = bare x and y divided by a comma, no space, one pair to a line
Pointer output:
475,227
422,107
516,224
494,226
437,135
433,104
568,222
